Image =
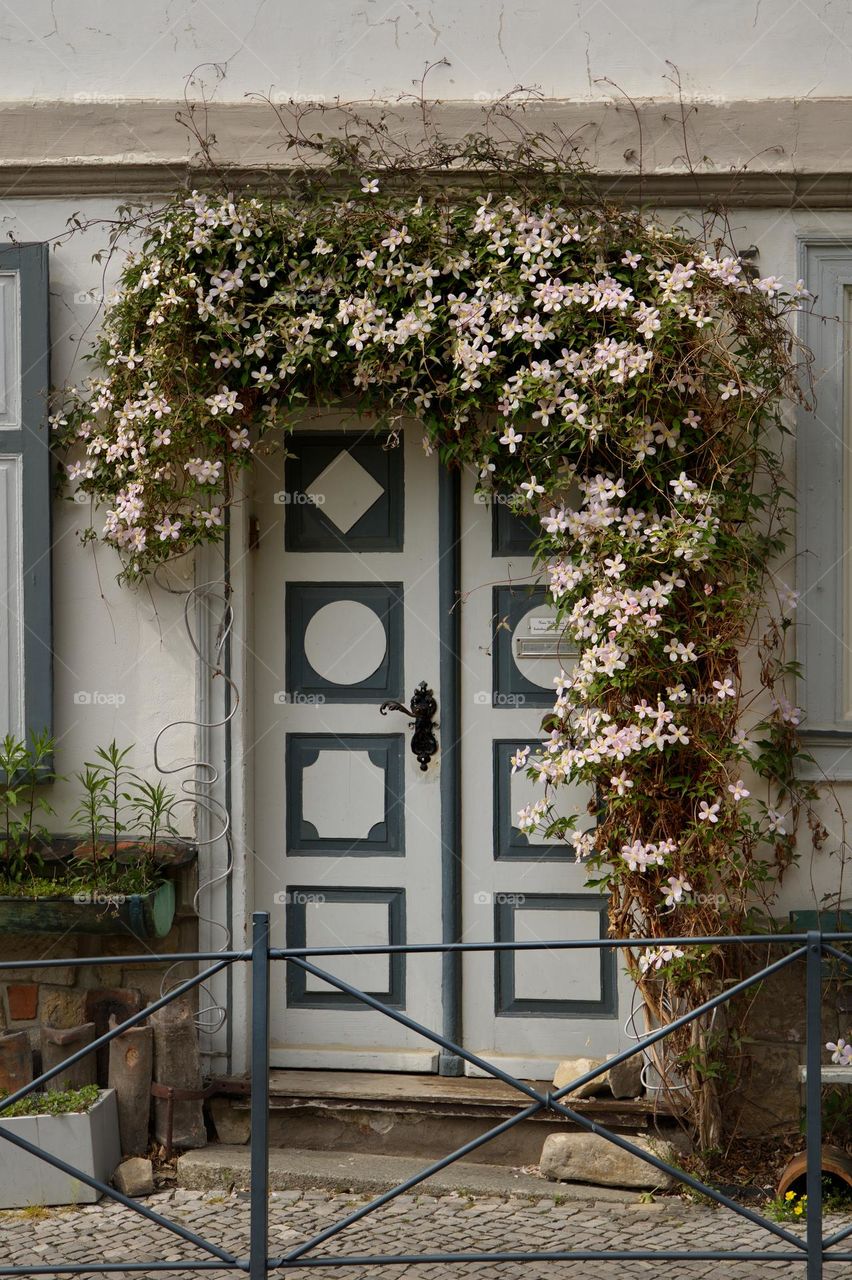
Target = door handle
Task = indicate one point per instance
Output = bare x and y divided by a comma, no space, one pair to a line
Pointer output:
424,744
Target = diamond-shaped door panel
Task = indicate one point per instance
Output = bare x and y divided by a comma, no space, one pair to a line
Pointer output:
343,492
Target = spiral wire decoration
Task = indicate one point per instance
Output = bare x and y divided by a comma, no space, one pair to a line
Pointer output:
197,789
654,1063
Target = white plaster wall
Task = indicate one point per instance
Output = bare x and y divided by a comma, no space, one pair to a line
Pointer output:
122,664
379,48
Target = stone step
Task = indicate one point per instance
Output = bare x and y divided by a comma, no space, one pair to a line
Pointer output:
219,1166
402,1114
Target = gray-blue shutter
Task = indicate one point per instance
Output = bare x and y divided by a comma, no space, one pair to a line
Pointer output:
25,443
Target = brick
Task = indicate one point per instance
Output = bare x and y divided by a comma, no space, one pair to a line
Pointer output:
62,1007
23,1001
16,1061
63,975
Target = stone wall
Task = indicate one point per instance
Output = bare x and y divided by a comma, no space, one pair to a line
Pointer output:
769,1095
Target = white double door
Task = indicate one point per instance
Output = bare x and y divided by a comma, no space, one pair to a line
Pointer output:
373,574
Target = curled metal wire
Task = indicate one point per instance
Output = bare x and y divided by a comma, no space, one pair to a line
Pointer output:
654,1064
197,787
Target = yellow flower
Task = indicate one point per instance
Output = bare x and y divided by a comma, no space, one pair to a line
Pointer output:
798,1209
791,1195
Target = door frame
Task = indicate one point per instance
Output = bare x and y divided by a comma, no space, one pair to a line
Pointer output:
229,902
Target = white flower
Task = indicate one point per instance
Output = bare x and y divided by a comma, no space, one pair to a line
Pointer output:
724,689
677,888
775,823
787,597
738,790
168,529
370,186
631,259
785,709
212,518
583,843
708,812
621,783
530,488
639,856
223,401
519,759
512,438
728,389
656,957
683,486
841,1052
239,438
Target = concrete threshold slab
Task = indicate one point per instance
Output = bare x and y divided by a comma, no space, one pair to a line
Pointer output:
222,1167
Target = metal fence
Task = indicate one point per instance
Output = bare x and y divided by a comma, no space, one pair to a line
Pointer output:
812,1252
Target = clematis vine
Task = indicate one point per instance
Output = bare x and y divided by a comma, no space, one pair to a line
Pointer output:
616,377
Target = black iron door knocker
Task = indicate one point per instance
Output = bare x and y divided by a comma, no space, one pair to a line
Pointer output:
424,744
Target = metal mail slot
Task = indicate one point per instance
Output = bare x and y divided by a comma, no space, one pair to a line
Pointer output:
543,647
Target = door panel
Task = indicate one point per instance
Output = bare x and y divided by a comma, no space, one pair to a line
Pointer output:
527,1010
347,825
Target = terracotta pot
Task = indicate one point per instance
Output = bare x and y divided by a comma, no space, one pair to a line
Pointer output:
833,1161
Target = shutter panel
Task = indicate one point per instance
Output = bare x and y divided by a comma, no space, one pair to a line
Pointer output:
26,656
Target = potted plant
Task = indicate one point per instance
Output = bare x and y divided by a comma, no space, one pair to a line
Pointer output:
112,877
79,1126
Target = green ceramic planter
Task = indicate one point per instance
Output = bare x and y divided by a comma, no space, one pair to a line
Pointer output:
147,915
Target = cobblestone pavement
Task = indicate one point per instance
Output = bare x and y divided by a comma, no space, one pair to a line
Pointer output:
109,1233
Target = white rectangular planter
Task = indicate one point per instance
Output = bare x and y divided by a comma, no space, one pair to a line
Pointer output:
86,1139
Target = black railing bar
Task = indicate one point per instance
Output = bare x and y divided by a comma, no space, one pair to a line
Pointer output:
837,1237
285,953
150,957
107,1036
653,1036
554,944
579,1255
413,1181
95,1183
687,1179
417,1027
845,956
107,1268
813,1105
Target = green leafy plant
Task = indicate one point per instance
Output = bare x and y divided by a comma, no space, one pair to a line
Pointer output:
91,812
793,1206
114,800
58,1102
24,769
151,805
788,1208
